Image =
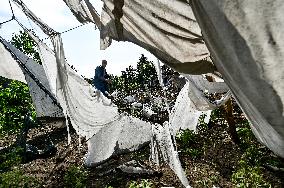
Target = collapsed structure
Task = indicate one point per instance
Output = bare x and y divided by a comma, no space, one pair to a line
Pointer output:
241,40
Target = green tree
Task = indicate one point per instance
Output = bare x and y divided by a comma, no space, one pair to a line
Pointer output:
15,103
15,100
26,44
132,79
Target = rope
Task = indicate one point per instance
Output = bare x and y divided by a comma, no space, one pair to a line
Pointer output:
6,21
73,28
13,15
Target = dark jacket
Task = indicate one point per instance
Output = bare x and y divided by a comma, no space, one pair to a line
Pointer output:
99,79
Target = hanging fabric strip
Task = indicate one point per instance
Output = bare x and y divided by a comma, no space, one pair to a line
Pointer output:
163,142
159,73
84,11
198,98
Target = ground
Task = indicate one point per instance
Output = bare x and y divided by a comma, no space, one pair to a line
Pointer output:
209,159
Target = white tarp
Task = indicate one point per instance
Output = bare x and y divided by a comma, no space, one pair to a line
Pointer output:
35,77
92,115
245,39
162,144
184,114
125,135
165,28
9,68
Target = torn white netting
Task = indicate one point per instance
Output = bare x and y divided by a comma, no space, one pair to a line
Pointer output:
190,104
162,144
125,135
167,29
198,98
253,78
92,115
248,49
184,114
191,101
197,85
9,68
43,100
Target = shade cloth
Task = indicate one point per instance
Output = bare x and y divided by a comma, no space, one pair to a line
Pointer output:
248,50
44,101
167,29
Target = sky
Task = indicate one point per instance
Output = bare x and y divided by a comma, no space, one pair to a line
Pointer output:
81,45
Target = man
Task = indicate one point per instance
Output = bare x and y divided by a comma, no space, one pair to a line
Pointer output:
100,80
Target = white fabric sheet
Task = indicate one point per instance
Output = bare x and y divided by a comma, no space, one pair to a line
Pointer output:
184,114
164,146
88,110
44,105
9,68
245,39
125,135
165,28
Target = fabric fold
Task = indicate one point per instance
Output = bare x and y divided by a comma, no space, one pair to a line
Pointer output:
44,101
167,29
248,50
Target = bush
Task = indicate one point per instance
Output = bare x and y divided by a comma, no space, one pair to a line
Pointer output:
15,103
75,177
10,159
253,156
142,184
15,178
186,141
247,176
186,137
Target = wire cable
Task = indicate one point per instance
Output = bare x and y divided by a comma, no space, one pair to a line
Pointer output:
66,31
11,7
13,15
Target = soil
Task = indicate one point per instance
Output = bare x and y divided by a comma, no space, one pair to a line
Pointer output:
213,167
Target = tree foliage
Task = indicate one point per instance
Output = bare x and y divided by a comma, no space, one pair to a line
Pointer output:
15,103
15,100
26,44
133,80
